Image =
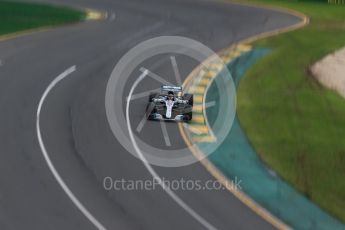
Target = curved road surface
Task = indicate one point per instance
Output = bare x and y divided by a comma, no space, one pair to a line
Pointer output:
74,126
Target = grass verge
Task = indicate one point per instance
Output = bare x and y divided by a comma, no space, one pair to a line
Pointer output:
295,125
19,16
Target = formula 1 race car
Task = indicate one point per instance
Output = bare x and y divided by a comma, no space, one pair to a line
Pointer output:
170,104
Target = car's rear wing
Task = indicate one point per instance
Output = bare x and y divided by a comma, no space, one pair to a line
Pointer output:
167,88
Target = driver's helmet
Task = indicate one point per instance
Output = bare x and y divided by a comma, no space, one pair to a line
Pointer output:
171,95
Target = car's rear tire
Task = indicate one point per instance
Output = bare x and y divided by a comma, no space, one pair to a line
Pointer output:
188,113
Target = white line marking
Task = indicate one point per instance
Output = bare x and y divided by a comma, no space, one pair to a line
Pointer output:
177,199
142,123
143,94
210,104
155,76
176,71
165,134
50,164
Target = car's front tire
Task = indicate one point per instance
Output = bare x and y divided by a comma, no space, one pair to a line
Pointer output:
189,97
152,96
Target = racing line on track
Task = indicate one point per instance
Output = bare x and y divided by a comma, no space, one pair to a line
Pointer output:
176,198
50,164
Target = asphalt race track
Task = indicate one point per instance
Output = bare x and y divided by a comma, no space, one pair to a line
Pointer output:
74,125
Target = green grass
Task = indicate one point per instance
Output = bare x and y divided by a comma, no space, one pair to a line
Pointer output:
18,16
297,126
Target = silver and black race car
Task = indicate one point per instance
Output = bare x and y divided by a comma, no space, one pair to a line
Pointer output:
170,104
